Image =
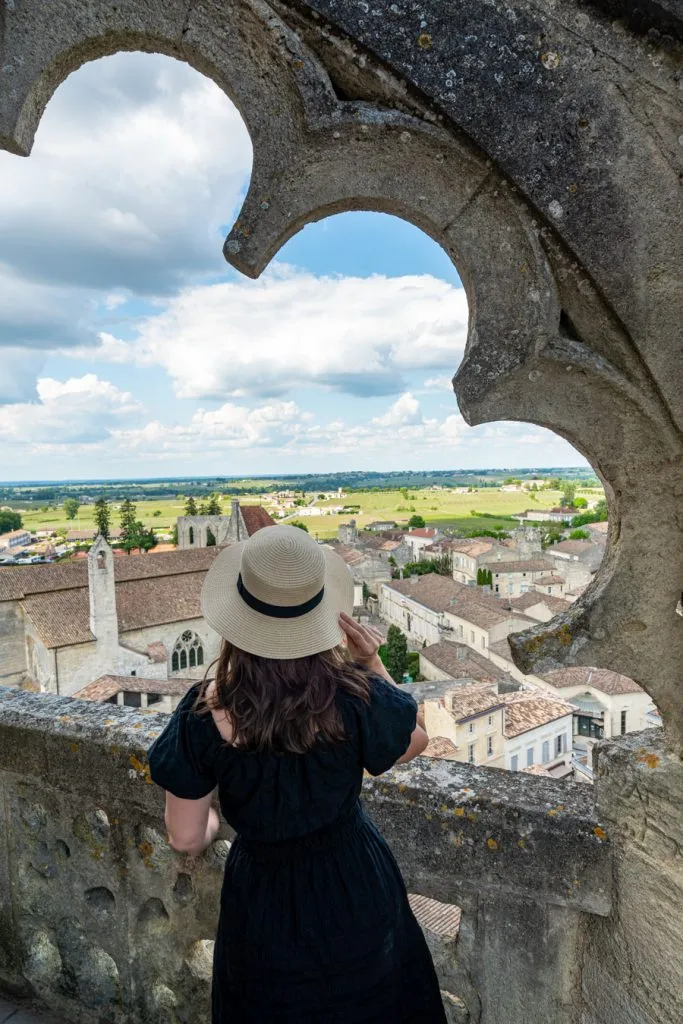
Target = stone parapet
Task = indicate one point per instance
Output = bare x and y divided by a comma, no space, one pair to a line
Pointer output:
104,922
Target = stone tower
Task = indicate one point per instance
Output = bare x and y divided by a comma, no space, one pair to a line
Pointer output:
348,532
528,542
102,593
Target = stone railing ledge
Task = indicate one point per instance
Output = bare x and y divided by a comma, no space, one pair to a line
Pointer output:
454,828
459,829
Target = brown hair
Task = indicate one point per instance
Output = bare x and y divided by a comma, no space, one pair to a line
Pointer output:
278,705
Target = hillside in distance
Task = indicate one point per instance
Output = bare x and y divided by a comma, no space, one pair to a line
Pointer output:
30,493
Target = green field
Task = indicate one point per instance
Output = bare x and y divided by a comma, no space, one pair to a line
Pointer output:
443,508
438,508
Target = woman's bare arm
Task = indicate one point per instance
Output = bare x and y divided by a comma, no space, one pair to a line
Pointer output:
192,825
363,645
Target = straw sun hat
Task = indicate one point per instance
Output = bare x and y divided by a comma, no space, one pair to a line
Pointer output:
278,594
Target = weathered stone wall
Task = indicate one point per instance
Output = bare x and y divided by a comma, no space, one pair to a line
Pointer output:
102,920
12,644
79,665
632,970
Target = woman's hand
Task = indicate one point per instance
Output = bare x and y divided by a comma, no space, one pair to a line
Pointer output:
362,642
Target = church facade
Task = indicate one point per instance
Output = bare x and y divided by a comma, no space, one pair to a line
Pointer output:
64,627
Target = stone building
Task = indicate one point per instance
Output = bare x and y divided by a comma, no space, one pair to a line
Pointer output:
503,730
63,626
206,531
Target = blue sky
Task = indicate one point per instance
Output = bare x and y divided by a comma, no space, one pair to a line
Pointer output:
131,348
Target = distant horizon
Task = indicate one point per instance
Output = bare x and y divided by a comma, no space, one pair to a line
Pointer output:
170,478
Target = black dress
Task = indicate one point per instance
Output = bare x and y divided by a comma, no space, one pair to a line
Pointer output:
315,925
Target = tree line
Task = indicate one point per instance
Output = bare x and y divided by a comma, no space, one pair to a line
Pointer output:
135,536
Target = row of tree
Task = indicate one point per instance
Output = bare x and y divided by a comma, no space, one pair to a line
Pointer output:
484,578
135,536
210,507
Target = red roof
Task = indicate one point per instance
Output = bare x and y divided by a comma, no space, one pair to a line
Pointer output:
423,532
255,518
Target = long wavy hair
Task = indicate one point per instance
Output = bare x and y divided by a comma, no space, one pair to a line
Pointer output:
281,706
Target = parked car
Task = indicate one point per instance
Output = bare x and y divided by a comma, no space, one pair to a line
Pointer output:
8,561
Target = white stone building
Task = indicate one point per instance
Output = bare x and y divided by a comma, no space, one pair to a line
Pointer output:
513,578
576,561
64,626
605,703
420,538
503,730
538,730
432,607
14,539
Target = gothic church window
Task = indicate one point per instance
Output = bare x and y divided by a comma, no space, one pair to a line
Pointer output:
188,652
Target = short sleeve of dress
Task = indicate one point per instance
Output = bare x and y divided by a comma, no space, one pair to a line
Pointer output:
386,725
181,759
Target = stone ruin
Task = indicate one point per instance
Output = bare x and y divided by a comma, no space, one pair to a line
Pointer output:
541,146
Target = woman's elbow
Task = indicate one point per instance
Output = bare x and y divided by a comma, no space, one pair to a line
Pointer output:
418,743
181,841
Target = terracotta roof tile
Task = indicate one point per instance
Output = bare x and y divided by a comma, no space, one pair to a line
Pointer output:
545,581
473,547
443,594
106,686
533,597
573,547
469,701
601,679
461,662
62,618
431,590
255,518
525,565
527,709
442,748
20,581
441,918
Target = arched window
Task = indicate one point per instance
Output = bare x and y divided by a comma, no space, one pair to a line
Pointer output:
188,652
192,535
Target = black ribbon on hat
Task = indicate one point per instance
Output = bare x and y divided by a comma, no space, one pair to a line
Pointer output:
278,611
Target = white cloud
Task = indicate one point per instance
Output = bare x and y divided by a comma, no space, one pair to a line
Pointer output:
137,163
230,426
81,410
438,384
405,411
284,428
361,336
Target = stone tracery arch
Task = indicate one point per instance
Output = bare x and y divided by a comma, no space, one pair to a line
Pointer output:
550,341
188,652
